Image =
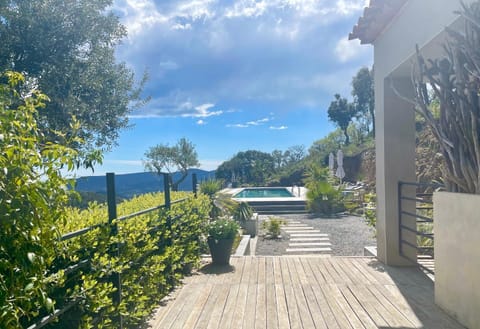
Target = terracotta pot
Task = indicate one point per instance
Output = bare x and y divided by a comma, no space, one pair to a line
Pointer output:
220,250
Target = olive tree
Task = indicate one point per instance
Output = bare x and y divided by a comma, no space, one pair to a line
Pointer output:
179,157
66,49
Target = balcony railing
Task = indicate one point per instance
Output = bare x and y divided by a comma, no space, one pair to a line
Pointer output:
423,228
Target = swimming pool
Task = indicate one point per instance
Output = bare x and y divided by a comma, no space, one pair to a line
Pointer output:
264,192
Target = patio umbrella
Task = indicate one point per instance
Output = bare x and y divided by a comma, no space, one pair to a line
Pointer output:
331,163
340,172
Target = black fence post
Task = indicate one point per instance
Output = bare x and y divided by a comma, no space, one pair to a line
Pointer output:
112,215
168,204
194,183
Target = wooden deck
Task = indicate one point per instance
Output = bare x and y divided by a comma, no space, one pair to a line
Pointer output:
303,292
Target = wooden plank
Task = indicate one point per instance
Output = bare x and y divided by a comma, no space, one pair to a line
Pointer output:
198,307
238,270
174,308
277,271
240,306
250,308
294,279
345,279
254,271
364,270
300,271
293,314
392,313
356,276
230,306
261,270
281,307
315,269
185,310
354,304
261,311
269,271
313,306
271,308
208,307
345,307
309,275
370,306
326,272
246,270
378,270
217,311
303,310
327,313
337,310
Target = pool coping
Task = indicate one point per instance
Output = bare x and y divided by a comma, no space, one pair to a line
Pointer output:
300,193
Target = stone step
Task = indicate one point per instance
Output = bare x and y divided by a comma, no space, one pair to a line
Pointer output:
309,239
306,244
306,235
309,249
302,231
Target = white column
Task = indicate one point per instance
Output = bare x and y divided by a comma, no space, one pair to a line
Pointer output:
395,161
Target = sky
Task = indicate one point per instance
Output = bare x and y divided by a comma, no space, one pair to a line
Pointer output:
234,75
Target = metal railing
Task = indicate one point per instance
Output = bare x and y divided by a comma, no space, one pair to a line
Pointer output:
423,228
113,221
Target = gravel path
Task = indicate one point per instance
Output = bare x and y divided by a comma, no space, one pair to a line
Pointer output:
348,235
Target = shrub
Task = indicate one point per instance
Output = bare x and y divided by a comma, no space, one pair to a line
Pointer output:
323,197
370,209
211,186
32,200
222,229
273,227
242,212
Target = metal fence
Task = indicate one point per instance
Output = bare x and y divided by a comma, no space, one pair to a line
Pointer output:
113,221
423,229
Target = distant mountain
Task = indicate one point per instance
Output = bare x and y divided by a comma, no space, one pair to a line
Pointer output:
129,185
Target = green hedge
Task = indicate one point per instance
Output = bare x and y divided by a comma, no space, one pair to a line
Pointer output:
152,259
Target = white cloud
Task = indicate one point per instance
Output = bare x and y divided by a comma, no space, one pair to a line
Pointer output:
172,106
168,65
201,122
258,122
349,49
201,111
278,127
139,15
179,26
250,123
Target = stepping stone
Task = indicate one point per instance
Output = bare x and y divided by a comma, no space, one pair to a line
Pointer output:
306,244
308,249
305,235
302,231
309,239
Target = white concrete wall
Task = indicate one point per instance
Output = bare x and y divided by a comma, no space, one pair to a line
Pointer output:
420,22
457,256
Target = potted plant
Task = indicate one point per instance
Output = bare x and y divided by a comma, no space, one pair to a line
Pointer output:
248,220
221,235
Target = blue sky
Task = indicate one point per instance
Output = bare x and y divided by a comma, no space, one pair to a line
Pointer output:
234,75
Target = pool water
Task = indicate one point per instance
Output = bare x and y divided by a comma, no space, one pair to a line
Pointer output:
264,193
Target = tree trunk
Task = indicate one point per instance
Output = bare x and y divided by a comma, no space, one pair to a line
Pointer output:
347,138
177,183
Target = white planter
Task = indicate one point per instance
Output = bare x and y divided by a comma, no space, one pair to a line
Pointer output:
457,256
251,226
